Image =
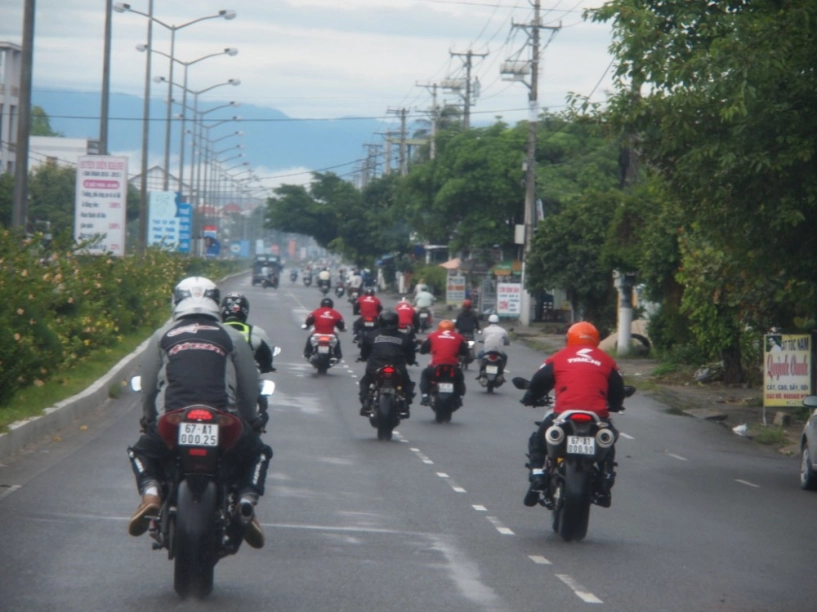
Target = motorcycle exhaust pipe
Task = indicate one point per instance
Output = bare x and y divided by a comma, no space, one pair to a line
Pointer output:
605,438
554,435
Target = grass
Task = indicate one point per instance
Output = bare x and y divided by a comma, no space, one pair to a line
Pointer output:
770,435
30,402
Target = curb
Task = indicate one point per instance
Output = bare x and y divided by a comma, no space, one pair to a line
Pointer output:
61,415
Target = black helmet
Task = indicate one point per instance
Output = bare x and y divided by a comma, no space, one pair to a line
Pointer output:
327,303
235,307
369,291
389,318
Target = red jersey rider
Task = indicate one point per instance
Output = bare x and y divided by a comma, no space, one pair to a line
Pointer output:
325,319
584,378
446,347
368,306
406,315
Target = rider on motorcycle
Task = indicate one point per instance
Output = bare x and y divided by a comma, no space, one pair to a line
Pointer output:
194,359
325,319
446,347
585,378
324,279
387,346
234,311
407,316
467,321
495,338
368,306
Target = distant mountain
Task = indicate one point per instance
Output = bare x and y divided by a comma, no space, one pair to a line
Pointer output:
271,139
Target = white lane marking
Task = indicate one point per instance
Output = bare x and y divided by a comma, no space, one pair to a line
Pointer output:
539,560
624,435
442,474
678,457
6,490
499,526
747,483
457,488
583,594
479,508
467,575
422,457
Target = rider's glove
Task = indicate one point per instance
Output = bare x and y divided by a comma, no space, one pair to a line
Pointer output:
528,399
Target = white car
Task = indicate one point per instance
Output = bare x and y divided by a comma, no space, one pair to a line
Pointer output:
808,447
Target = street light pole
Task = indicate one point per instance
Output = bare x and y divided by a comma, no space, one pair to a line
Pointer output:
106,81
143,198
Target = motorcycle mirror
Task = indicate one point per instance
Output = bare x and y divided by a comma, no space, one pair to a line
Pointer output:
628,390
276,351
136,383
304,326
267,387
520,383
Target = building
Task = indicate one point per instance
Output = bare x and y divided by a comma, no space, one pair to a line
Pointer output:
58,151
11,63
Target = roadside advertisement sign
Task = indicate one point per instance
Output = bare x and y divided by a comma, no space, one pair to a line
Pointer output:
508,299
786,369
163,223
455,289
211,244
185,213
101,198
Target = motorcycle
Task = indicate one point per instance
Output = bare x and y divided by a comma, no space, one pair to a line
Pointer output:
324,286
340,290
369,324
270,281
443,397
293,276
424,314
323,351
386,401
491,371
466,361
198,523
353,295
307,281
577,442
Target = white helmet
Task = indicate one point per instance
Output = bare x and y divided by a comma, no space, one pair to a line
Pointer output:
493,319
196,295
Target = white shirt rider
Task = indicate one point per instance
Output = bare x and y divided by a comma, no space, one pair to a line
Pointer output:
423,300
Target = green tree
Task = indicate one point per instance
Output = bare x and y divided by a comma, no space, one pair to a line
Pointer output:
6,199
41,124
52,194
727,120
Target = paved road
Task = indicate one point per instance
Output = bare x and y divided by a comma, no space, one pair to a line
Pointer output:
701,520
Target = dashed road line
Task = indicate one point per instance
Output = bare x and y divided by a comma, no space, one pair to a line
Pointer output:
422,457
539,560
747,483
6,490
499,526
479,508
678,457
624,435
583,594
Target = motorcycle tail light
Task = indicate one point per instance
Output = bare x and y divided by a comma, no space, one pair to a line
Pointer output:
199,414
388,370
324,339
493,358
581,418
197,452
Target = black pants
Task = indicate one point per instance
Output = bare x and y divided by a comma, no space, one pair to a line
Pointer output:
368,377
537,447
245,465
357,326
428,372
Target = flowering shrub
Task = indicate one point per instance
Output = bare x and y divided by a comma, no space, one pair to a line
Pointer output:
57,307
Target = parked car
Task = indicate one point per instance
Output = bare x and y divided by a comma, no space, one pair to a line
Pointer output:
808,447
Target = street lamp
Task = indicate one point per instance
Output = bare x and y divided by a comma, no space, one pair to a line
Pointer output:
121,7
232,52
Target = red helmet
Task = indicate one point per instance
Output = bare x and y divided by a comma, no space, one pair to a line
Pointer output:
466,304
582,333
445,325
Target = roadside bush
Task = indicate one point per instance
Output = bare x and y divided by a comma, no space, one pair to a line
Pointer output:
434,276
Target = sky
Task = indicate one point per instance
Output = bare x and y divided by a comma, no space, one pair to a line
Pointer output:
324,58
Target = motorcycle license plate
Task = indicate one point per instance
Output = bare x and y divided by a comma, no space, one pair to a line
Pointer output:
423,315
198,434
445,387
491,369
369,324
580,445
323,349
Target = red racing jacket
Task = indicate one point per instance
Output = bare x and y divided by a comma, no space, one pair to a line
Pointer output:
446,347
325,320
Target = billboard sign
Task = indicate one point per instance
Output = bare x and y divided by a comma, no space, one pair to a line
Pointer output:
508,299
101,200
786,369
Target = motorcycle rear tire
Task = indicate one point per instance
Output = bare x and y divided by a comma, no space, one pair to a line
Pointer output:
195,540
489,386
385,417
577,491
442,411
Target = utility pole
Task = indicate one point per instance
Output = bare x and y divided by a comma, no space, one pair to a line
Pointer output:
468,62
387,156
403,157
19,213
517,71
435,117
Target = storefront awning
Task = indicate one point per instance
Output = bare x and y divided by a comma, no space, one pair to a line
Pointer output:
451,264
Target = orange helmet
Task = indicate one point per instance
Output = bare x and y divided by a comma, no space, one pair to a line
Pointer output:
582,333
445,325
466,304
